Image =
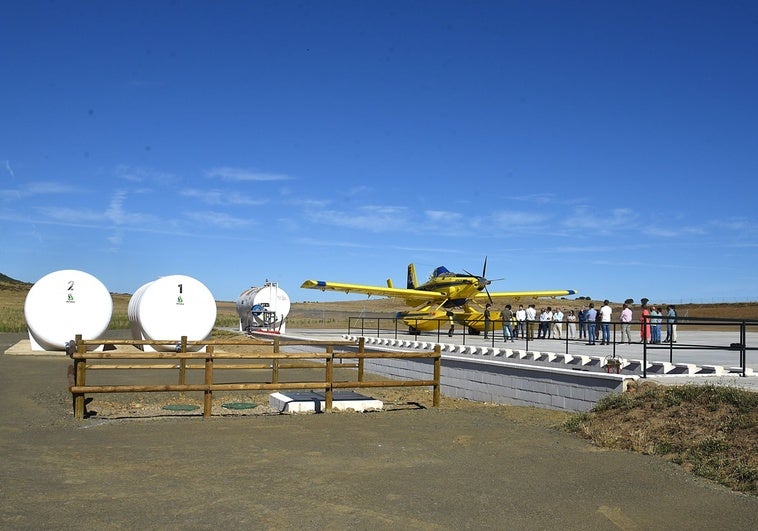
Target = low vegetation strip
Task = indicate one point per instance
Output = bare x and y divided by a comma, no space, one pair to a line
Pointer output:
710,431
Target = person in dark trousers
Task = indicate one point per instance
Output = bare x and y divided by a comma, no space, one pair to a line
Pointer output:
487,321
582,323
670,324
591,324
507,317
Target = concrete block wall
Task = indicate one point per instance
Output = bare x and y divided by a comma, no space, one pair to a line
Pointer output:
488,380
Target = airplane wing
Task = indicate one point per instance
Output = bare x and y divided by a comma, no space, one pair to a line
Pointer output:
517,294
382,291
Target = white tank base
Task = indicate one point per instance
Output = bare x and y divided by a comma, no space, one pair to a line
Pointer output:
280,329
36,346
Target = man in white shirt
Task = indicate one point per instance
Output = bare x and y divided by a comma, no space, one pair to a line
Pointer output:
605,319
521,320
531,316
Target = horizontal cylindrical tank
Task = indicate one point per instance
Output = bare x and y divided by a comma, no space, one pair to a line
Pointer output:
63,304
266,306
171,307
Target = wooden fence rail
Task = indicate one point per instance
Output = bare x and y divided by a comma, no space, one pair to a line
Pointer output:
259,350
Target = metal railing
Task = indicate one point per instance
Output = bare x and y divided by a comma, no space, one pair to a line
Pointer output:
529,332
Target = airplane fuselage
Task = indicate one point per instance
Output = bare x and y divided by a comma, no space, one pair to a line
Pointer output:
458,289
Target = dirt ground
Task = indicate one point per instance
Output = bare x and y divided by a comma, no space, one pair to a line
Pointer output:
460,466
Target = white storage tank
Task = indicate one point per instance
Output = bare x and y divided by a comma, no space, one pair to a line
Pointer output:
171,307
263,308
63,304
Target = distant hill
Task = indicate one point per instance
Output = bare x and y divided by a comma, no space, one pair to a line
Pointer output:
12,284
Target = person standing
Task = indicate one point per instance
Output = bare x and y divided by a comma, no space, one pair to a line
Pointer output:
541,326
670,323
605,319
514,325
583,322
598,324
507,316
450,316
591,315
557,323
521,320
531,317
655,324
548,323
487,321
626,323
571,328
644,323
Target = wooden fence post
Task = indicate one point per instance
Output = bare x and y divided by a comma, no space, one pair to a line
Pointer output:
80,377
275,363
361,350
208,393
183,364
437,374
329,378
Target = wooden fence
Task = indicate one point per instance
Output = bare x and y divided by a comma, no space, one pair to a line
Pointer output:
267,354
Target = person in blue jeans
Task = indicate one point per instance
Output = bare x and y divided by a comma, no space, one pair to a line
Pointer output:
605,319
583,323
591,316
507,317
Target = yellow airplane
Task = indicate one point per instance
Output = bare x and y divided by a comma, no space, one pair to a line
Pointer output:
435,298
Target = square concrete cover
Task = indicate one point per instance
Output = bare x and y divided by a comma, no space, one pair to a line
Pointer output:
313,401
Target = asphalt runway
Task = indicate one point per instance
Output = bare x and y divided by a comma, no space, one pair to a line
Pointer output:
477,467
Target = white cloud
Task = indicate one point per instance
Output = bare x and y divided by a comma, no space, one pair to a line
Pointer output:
514,219
220,219
115,211
442,216
39,188
371,218
228,173
70,215
221,197
138,174
310,203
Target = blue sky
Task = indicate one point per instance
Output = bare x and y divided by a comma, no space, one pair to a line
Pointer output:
607,147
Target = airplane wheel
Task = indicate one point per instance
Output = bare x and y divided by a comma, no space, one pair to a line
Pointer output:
413,331
473,331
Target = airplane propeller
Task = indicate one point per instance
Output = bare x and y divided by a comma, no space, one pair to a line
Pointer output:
482,280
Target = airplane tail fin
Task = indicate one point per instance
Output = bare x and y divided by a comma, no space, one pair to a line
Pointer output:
412,282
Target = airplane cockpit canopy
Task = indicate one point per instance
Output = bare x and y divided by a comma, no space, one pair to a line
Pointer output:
440,270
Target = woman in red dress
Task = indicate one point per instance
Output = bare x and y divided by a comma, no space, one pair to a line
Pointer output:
645,323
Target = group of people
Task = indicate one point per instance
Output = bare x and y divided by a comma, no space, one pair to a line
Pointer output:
523,322
593,324
650,323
